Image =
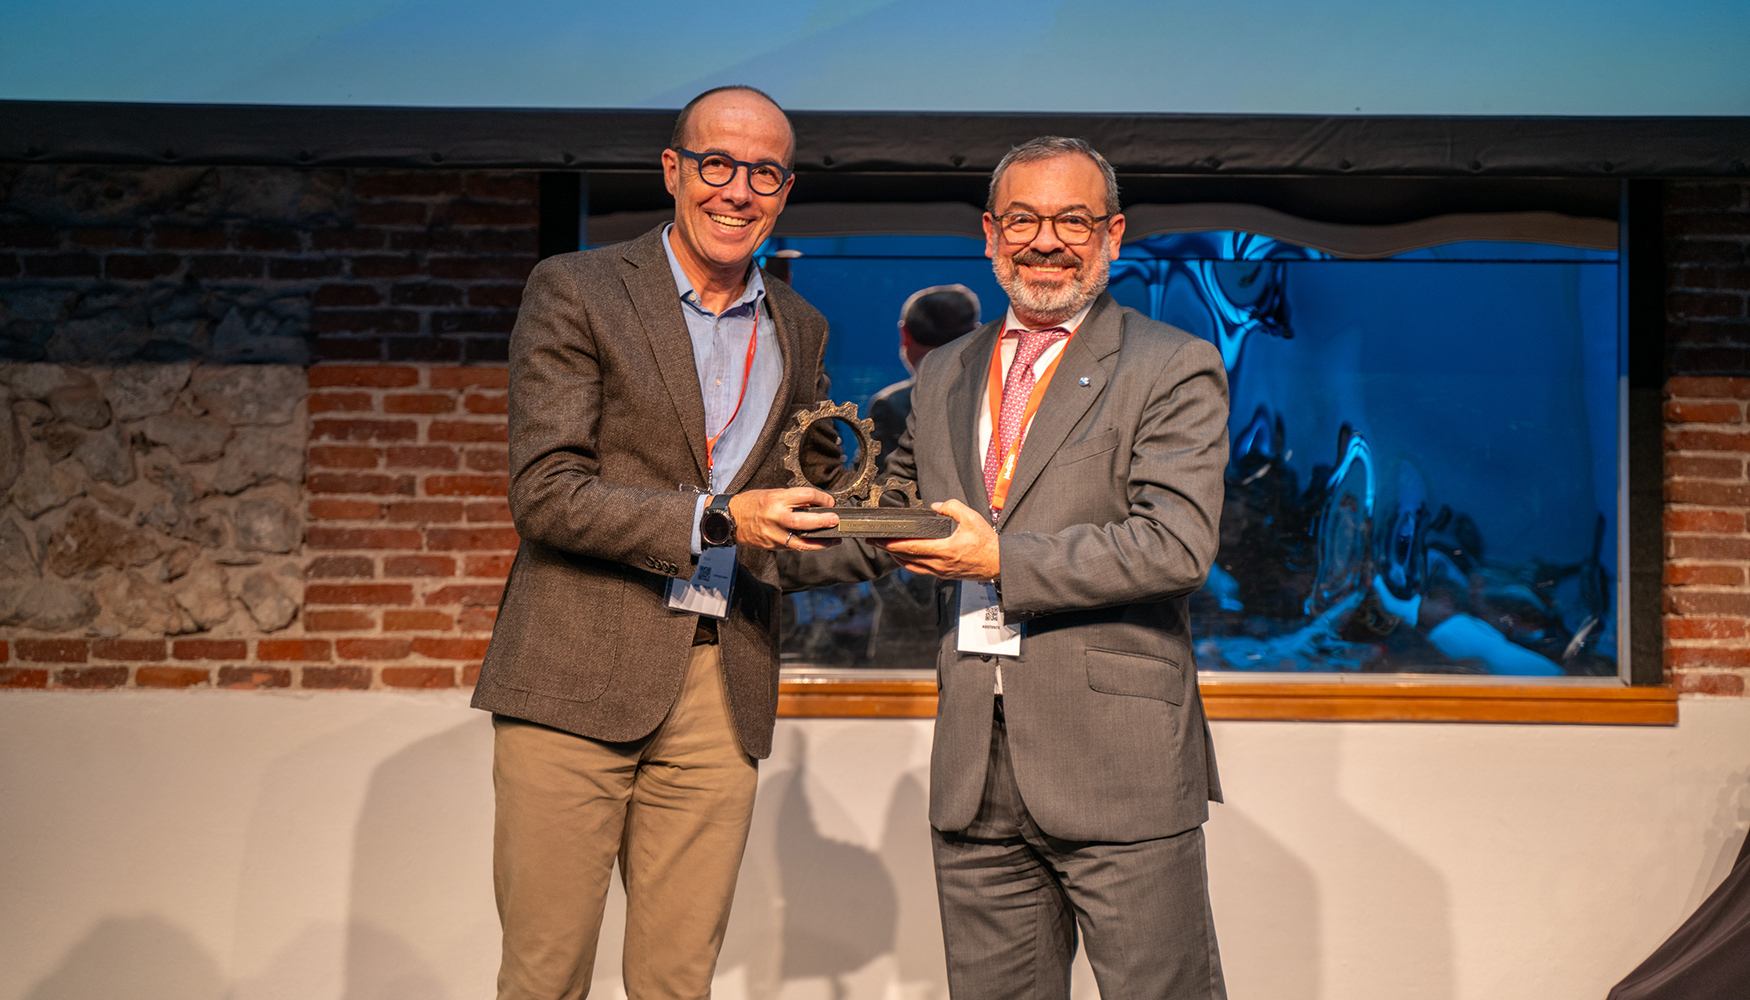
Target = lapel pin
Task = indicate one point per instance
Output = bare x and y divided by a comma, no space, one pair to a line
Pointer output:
1084,380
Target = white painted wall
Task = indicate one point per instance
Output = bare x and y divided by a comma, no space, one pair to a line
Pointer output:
192,846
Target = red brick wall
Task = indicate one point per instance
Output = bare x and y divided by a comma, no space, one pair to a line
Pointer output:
374,265
1707,439
409,536
431,268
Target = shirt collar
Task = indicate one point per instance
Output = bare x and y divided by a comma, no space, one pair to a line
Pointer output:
1012,327
751,295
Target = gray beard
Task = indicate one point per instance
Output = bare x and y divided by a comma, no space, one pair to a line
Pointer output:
1053,305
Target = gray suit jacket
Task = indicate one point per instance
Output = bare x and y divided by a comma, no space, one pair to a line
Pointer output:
606,422
1111,522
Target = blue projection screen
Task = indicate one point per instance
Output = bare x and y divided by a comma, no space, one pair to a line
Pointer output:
1374,57
1424,457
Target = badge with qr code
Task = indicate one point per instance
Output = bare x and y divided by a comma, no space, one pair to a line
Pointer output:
982,629
707,593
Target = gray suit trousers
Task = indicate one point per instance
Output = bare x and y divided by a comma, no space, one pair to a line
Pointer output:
1012,899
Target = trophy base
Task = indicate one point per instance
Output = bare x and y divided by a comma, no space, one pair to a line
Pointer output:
882,522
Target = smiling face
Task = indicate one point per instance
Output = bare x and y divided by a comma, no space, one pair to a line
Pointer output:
1048,280
717,229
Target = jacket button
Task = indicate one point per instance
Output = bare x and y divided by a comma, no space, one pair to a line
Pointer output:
985,657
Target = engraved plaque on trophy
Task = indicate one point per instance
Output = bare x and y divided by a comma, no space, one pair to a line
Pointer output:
859,504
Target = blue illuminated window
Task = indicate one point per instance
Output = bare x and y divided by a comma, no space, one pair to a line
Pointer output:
1424,464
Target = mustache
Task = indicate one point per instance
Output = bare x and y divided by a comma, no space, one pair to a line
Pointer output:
1056,258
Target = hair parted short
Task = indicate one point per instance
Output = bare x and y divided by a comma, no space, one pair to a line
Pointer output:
678,138
938,314
1044,148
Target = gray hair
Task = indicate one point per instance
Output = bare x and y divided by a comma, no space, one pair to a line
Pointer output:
1044,148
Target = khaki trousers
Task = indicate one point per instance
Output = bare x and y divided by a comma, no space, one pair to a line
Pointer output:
673,807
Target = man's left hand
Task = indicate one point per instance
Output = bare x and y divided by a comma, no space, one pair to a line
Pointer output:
970,553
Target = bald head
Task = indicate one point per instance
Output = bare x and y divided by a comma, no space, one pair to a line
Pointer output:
737,105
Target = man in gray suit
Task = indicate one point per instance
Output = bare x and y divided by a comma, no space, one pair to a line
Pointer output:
632,674
1080,446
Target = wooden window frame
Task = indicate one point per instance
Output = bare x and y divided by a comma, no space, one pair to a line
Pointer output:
1394,698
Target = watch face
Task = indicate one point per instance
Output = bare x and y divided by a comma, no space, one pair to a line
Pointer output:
716,527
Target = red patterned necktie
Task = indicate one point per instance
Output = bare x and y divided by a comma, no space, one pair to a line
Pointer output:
1017,386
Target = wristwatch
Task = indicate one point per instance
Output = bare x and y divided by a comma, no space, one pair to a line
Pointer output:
717,526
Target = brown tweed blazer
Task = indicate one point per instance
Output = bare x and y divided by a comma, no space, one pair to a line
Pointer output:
606,421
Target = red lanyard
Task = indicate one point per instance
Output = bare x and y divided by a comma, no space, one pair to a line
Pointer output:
753,343
999,495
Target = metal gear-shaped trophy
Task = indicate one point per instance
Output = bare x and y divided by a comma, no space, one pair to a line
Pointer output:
859,504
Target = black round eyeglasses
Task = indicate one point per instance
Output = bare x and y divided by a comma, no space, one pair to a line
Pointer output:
717,170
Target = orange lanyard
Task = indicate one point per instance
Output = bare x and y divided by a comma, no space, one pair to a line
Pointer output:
999,494
753,343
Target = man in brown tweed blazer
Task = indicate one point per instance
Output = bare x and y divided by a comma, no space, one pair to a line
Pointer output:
645,377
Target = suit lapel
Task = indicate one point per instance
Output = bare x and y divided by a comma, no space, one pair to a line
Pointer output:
963,399
651,286
789,359
1067,399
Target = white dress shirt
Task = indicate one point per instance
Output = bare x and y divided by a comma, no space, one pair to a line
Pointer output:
1010,341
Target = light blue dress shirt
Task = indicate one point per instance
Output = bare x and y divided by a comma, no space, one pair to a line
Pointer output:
720,355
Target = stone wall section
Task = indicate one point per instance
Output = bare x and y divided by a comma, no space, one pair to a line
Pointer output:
150,506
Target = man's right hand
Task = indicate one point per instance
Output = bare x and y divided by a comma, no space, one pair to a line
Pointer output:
769,519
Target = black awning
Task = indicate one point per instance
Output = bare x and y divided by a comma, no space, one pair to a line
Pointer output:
1193,145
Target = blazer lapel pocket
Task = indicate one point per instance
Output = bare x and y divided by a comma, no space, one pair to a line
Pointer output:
1101,443
1135,675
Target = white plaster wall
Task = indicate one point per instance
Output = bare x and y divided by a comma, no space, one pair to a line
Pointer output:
192,846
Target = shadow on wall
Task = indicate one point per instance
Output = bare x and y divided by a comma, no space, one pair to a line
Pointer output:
823,936
1726,832
410,892
1282,928
421,919
155,959
1266,911
815,910
905,849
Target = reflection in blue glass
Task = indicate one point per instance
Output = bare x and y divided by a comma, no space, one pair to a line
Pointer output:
1423,461
1238,277
1453,496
